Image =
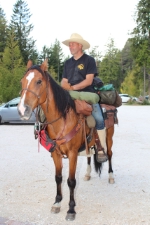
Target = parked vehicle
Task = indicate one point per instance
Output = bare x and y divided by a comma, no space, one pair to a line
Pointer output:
9,113
134,99
125,97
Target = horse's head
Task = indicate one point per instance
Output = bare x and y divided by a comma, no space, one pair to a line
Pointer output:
34,89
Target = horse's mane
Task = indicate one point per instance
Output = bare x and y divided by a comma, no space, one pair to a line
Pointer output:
62,97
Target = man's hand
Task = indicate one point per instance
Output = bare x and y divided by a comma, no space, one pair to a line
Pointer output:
66,85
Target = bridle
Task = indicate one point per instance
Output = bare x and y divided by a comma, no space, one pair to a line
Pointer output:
26,89
39,96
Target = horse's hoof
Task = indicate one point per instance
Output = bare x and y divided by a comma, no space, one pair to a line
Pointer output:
111,180
55,209
86,178
70,216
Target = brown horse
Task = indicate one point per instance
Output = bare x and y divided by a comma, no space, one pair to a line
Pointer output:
64,126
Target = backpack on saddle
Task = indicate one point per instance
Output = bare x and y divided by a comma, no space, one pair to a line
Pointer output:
107,93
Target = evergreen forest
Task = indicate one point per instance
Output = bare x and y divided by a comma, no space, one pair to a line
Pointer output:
127,69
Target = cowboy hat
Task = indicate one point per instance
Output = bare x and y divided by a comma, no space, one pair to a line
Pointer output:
77,38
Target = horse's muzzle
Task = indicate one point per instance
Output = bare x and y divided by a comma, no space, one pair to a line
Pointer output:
24,112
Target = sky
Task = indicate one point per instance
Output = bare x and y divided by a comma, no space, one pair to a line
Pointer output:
95,20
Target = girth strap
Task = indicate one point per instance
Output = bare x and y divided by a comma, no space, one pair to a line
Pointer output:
71,134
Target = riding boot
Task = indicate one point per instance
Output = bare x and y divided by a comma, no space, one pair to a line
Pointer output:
101,155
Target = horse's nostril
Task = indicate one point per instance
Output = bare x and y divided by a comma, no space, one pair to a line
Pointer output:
27,109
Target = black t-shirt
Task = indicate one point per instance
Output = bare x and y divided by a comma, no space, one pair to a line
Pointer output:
76,70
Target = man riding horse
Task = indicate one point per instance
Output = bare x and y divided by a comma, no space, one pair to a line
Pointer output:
78,75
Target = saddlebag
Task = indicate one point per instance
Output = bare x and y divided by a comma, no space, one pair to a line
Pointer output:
110,115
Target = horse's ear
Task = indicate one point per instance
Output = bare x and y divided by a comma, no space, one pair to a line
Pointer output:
44,65
29,64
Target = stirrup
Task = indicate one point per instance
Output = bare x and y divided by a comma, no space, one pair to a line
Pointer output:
100,158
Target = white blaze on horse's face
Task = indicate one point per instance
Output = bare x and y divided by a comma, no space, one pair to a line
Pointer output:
21,105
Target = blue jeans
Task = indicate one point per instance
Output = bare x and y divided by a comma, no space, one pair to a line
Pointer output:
97,114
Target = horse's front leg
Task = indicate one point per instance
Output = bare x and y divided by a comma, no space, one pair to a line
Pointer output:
88,170
71,184
58,178
109,140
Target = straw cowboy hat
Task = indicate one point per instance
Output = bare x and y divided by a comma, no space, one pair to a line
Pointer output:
77,38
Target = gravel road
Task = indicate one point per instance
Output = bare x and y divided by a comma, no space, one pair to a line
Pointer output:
27,185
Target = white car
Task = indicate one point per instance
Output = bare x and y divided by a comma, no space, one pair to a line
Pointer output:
125,97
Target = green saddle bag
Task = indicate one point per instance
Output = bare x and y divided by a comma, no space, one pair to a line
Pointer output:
108,87
89,97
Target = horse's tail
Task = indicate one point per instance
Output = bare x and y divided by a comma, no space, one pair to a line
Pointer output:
98,166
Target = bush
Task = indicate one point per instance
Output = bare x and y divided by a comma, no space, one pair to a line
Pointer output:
145,102
132,102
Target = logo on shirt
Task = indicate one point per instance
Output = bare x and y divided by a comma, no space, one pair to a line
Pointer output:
80,66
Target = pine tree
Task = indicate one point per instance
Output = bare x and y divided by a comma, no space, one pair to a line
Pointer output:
55,58
20,23
96,55
127,61
110,67
3,31
44,54
143,20
11,69
141,39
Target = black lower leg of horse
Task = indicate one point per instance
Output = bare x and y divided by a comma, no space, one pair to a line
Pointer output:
111,179
88,160
98,166
71,184
110,166
58,180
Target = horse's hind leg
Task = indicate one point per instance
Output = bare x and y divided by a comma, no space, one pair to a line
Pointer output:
58,178
88,170
109,140
71,184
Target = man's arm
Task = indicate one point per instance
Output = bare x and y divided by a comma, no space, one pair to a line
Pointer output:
85,83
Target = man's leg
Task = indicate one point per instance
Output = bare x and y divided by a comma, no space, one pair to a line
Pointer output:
101,130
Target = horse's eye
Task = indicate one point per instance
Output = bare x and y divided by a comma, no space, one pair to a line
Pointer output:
39,82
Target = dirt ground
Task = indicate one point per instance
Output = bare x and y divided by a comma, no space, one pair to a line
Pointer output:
27,184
